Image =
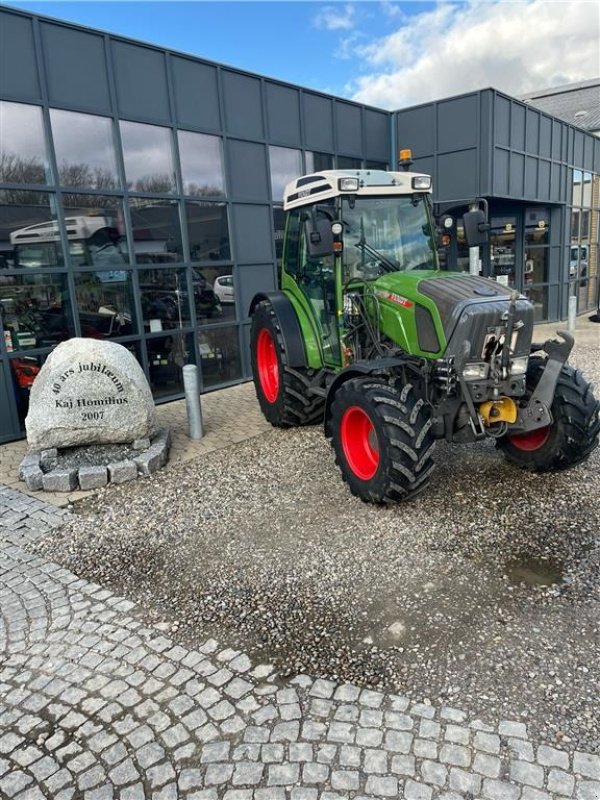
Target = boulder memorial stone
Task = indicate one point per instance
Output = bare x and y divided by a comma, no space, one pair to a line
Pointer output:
89,392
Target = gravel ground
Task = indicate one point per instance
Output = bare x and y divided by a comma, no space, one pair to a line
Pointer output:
445,598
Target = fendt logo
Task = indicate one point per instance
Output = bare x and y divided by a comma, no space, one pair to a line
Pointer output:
394,298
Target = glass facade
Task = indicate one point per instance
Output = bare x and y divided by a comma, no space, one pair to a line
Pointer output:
114,252
585,240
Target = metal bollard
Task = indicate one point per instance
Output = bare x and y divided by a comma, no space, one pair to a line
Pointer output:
572,313
192,401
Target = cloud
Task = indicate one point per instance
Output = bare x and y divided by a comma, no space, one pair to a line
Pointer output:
515,47
336,18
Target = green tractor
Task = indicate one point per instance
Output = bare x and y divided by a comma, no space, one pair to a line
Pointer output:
368,335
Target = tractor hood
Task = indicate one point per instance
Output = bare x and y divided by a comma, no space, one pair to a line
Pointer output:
420,309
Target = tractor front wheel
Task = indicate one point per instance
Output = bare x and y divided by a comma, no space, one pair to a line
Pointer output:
382,439
283,393
573,433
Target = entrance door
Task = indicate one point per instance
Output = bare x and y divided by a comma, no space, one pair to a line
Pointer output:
503,250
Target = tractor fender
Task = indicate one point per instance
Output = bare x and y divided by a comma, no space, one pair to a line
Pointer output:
357,370
288,323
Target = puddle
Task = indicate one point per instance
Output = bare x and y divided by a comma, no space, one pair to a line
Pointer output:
534,572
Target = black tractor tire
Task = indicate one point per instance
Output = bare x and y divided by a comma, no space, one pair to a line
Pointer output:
573,433
282,391
382,439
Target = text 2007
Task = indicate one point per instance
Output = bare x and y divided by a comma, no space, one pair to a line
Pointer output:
87,416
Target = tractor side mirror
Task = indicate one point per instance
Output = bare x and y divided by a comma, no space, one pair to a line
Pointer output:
476,228
319,238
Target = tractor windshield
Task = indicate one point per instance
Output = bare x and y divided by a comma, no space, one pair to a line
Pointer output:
386,234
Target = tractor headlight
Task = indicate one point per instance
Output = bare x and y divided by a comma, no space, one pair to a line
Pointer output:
518,366
474,371
348,184
421,182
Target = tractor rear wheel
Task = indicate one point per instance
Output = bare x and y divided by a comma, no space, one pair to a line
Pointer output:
573,433
382,439
283,393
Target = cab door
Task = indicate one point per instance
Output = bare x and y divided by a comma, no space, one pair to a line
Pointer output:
312,279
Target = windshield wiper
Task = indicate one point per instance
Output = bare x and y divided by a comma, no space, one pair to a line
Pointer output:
386,262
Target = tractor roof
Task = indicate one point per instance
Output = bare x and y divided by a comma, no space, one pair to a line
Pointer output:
324,185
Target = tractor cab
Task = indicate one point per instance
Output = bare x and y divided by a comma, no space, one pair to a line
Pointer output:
344,231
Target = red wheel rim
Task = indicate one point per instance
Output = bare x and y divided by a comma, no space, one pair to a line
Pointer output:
528,442
267,365
359,443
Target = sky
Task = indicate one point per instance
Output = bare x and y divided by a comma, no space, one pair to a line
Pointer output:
386,54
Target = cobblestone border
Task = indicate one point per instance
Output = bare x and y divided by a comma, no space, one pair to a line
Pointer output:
94,704
153,455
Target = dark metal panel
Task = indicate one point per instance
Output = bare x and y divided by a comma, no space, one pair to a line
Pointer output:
557,133
426,165
349,128
76,69
578,149
457,123
517,126
545,143
531,177
532,126
141,82
318,122
517,172
249,281
252,233
485,142
416,129
377,132
501,171
18,68
243,105
196,94
457,175
543,180
283,114
502,121
588,152
247,170
555,196
596,168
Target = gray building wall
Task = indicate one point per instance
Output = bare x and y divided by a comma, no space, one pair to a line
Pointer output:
487,144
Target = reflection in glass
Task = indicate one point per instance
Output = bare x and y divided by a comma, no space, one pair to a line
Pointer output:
148,157
23,156
29,232
316,162
536,265
167,355
105,303
538,296
34,310
286,164
84,150
219,355
164,298
537,226
156,231
208,231
24,370
279,232
214,293
586,190
201,159
95,230
502,249
577,187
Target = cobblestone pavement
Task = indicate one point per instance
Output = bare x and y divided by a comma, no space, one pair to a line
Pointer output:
94,704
